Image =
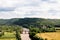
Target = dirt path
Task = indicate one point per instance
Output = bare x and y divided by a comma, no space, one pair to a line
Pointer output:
25,37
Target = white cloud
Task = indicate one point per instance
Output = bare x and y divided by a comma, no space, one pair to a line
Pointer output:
31,8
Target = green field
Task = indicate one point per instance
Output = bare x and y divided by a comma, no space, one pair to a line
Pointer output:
49,36
8,36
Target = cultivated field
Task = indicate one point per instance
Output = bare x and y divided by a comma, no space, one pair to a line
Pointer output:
50,36
8,36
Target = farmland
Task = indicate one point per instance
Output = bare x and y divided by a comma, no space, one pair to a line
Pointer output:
49,35
10,32
8,36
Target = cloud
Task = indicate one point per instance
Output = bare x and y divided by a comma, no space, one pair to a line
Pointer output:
50,1
6,9
30,8
8,3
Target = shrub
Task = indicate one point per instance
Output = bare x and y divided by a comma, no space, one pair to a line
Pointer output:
1,33
33,32
18,35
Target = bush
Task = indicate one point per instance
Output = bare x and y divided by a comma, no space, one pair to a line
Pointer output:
35,38
49,30
18,35
1,33
33,32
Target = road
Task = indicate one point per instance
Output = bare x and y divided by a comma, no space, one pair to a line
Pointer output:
25,35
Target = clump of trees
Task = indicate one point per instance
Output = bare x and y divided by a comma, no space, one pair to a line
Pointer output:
1,33
10,28
18,35
33,32
49,30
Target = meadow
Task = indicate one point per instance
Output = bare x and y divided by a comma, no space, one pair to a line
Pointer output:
8,36
49,35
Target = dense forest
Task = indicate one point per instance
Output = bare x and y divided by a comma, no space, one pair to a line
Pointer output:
26,22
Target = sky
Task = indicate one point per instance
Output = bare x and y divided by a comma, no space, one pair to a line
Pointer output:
30,8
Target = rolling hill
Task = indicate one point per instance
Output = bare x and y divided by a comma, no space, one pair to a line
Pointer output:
30,21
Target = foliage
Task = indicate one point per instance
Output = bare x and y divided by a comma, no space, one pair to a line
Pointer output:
33,32
26,22
1,34
52,29
18,35
37,38
8,28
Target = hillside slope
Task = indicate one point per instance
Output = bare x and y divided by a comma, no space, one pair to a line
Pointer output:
29,21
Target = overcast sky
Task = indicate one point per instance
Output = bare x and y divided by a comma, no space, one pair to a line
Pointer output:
30,8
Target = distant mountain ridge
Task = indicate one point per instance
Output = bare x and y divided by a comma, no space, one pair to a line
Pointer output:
29,21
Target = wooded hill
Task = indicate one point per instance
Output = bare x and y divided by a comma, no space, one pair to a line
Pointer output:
26,22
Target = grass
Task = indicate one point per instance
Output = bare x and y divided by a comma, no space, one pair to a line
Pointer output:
8,39
8,36
49,36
